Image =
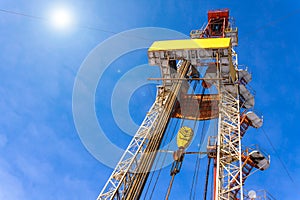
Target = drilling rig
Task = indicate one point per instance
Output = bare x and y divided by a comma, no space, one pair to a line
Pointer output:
225,97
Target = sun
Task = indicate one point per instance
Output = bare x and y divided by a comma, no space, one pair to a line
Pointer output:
61,18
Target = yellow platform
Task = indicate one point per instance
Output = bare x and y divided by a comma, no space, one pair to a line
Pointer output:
207,43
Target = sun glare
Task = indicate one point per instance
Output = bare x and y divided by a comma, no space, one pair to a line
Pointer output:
61,18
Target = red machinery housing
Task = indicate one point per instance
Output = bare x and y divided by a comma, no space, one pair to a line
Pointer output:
218,21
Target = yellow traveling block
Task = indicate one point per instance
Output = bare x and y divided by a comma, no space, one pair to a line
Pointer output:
184,137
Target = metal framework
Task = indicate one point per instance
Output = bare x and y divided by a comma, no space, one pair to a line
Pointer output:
229,162
209,47
136,162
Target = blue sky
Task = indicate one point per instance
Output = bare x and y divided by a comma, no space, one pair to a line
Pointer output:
42,156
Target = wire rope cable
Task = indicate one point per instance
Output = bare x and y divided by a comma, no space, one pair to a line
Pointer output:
277,154
161,166
197,165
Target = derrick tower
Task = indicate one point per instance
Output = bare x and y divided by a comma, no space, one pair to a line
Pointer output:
225,96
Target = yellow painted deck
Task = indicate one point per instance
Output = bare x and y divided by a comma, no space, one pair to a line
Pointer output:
189,44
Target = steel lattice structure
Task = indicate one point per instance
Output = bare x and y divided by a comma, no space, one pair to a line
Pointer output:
134,160
229,162
212,48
